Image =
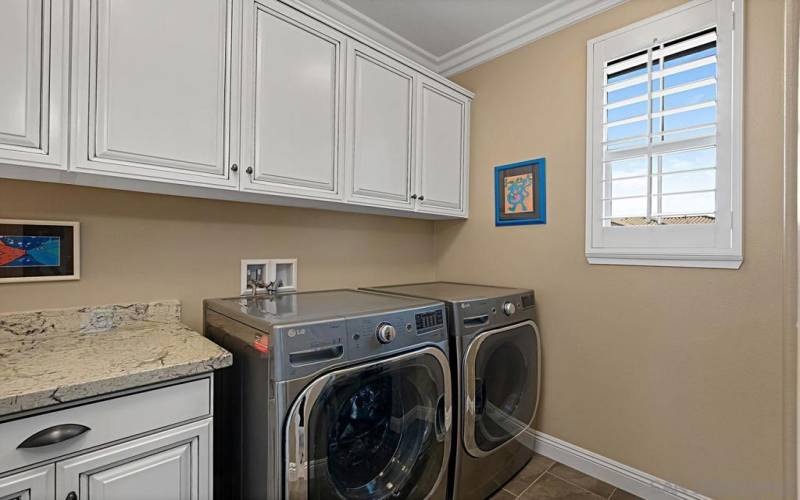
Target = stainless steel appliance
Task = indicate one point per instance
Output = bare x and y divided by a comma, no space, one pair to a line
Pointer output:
338,394
496,353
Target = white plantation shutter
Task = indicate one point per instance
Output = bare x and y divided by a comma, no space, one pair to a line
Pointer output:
663,141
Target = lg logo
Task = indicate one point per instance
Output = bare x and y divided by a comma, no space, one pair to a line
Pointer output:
295,332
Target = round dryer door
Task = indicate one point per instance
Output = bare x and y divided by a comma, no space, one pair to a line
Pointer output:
501,376
375,431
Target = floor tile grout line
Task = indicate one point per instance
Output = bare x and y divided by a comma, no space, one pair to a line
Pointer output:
577,485
532,483
612,493
537,478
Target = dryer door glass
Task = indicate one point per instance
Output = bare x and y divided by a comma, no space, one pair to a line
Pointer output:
503,384
380,432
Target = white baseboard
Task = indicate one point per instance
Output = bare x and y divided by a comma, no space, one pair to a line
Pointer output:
620,475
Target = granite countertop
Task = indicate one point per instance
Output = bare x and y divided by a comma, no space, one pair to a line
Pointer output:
57,356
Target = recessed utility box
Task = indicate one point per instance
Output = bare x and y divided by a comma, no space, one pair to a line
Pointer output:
255,270
284,274
281,272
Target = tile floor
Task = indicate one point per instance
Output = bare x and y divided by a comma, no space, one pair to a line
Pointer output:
543,479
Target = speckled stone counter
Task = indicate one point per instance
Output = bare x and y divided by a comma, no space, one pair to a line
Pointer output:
56,356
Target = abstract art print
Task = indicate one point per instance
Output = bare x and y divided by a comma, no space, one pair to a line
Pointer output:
520,196
39,250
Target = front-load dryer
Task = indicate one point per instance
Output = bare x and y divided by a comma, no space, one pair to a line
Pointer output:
336,394
496,363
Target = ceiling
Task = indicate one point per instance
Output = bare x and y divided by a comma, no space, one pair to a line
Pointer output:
450,36
441,26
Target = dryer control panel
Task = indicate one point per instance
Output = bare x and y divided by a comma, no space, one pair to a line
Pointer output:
480,314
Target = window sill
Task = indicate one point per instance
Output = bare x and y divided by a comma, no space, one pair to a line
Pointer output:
709,262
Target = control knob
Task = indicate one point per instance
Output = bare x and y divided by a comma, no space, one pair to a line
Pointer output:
386,333
509,308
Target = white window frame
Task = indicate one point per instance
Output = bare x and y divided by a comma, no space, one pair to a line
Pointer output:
717,245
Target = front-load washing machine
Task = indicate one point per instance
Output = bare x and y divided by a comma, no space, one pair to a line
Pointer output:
496,362
338,394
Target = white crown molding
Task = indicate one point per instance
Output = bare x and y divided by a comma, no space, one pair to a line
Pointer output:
365,25
612,472
539,23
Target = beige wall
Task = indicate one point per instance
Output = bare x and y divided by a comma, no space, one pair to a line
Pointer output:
139,247
677,372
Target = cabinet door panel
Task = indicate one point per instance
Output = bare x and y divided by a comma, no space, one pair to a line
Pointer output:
21,84
295,100
165,475
154,98
170,465
380,107
33,91
442,148
36,484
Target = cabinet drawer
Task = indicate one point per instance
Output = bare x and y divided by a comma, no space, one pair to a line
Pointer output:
107,421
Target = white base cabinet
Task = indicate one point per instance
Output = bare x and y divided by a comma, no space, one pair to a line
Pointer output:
171,465
155,444
36,484
251,100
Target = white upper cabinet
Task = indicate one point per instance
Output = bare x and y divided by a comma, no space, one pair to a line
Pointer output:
442,149
292,99
264,101
33,82
380,106
153,89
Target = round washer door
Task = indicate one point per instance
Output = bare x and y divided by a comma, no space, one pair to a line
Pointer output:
501,375
375,431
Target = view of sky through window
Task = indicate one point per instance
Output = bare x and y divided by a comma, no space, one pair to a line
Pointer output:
660,117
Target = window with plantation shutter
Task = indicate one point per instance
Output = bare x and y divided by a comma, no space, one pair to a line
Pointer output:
664,140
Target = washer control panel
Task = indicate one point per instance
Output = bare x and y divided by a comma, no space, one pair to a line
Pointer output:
429,321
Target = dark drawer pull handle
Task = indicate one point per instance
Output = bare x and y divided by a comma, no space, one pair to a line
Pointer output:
53,435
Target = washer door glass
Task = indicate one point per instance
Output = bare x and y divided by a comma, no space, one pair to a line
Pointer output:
379,432
505,371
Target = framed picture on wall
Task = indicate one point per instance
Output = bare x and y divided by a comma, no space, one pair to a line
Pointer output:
520,193
39,250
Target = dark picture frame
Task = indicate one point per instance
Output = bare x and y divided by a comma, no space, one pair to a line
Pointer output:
39,250
520,193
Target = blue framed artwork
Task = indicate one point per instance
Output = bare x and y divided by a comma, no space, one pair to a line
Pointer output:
520,193
39,250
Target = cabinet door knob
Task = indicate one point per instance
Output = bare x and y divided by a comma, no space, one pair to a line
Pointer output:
413,197
421,197
234,168
249,170
71,496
